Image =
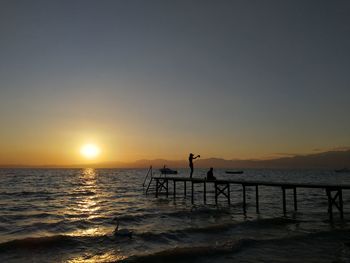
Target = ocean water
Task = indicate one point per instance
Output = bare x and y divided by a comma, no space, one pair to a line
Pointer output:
66,215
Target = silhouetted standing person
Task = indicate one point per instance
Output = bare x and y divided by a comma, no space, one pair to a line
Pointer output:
190,159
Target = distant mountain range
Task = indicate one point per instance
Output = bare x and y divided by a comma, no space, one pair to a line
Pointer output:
326,160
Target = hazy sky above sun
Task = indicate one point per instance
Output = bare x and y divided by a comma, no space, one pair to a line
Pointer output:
160,79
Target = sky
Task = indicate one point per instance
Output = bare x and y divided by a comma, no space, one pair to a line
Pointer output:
160,79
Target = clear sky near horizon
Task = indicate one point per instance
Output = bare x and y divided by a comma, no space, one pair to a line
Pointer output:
160,79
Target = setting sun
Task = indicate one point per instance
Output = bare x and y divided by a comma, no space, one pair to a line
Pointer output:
90,151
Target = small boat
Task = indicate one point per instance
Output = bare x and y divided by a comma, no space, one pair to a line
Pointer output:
344,170
167,171
234,172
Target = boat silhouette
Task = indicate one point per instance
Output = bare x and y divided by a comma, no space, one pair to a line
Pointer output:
234,172
166,170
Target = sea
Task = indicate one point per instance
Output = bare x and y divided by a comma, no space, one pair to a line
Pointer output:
69,215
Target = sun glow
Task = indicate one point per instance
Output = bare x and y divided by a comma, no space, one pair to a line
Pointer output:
90,151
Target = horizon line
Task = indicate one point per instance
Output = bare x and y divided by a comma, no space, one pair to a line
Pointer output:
180,162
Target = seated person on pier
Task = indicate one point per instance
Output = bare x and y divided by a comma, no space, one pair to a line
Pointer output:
210,174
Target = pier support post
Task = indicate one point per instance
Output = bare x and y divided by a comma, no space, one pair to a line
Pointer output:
257,199
185,189
341,204
295,199
174,183
336,200
205,192
157,181
284,200
330,208
221,190
228,194
244,200
192,192
167,187
284,188
162,183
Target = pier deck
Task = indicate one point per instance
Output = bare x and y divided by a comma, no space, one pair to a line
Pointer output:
222,188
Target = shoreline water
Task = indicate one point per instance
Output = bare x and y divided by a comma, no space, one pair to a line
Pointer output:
66,215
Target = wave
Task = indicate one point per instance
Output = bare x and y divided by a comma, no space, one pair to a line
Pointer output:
163,237
143,214
3,229
215,228
272,222
55,241
39,242
56,226
82,193
195,253
176,214
197,212
188,254
22,216
28,193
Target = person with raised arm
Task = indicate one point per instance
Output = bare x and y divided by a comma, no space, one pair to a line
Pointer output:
190,159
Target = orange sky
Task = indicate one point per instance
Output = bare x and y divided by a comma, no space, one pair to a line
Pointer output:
51,145
160,80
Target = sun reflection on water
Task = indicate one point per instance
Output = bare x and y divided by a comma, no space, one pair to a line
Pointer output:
104,257
86,204
89,173
93,231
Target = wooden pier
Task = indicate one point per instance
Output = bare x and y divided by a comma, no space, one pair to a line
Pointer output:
222,188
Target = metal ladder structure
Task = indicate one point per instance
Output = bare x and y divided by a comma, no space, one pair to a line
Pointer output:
149,177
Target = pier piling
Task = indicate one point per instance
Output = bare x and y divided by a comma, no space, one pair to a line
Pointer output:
257,199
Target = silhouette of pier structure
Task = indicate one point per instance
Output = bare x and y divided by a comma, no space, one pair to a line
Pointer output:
222,188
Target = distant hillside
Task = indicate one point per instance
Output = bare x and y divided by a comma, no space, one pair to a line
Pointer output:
330,160
327,160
